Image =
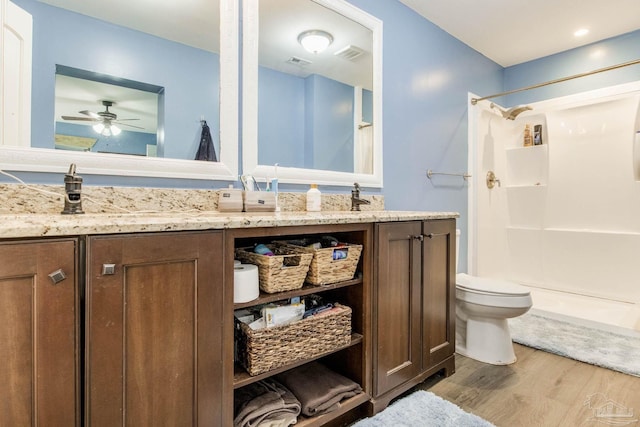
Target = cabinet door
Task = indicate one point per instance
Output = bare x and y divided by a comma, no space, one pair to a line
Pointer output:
438,291
397,305
38,334
154,330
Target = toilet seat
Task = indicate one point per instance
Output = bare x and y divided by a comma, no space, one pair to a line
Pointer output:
490,287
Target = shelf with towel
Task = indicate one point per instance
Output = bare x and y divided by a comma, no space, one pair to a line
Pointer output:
345,406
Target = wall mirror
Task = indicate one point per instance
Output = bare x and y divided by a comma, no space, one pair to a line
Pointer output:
191,65
316,113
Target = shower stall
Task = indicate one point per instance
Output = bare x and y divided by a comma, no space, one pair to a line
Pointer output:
563,216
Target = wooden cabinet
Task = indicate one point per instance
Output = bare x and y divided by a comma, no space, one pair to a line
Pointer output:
137,329
39,324
351,360
439,294
154,349
413,305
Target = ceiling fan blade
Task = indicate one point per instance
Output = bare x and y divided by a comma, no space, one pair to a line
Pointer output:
125,124
126,119
90,113
84,119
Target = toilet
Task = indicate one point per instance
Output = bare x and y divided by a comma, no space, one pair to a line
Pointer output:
483,306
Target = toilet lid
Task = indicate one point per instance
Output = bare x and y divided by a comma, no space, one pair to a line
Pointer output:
487,285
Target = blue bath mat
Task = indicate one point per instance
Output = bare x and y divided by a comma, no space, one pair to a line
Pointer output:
583,340
423,409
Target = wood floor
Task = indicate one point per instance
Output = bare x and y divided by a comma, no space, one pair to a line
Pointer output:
540,389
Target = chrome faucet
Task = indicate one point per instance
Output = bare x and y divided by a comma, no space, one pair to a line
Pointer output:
356,201
73,192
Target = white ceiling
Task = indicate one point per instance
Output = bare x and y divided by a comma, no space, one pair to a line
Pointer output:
508,32
191,22
511,32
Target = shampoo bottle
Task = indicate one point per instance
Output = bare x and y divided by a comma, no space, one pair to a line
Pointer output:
314,199
537,135
528,138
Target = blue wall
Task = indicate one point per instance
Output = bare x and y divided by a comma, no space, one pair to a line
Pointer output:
281,123
127,142
315,110
332,124
367,106
598,55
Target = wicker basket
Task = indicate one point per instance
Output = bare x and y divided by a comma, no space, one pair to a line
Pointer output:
270,348
284,271
324,269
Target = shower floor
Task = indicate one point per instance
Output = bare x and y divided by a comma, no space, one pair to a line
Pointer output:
620,314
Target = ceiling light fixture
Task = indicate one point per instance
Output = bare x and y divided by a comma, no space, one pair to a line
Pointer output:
315,41
581,32
106,130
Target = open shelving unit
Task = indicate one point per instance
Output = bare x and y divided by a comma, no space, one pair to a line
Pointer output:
349,360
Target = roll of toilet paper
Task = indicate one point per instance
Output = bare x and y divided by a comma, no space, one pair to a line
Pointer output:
245,283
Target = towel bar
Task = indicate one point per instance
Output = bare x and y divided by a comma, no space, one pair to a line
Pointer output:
464,176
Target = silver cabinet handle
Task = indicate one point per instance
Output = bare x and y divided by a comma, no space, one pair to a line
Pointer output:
108,269
57,276
432,235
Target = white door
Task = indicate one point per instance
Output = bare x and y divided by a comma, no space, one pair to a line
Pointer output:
15,80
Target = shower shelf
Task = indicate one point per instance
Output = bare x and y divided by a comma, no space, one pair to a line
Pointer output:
527,166
542,147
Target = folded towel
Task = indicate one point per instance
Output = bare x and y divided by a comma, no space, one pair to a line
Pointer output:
265,403
318,388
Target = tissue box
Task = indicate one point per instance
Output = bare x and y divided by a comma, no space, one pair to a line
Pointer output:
230,200
282,315
259,201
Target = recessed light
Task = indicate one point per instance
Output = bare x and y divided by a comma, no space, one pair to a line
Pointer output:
581,32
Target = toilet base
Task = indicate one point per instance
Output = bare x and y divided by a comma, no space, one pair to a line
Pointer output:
486,340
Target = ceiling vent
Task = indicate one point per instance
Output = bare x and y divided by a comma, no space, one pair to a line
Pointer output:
349,52
298,61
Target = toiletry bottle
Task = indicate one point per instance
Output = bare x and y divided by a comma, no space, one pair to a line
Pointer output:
314,199
528,139
537,135
262,249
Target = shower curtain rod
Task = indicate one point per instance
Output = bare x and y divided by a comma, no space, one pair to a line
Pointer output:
474,101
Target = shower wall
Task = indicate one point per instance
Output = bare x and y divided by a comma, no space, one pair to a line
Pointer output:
567,214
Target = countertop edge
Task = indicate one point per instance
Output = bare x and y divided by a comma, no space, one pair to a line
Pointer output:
35,225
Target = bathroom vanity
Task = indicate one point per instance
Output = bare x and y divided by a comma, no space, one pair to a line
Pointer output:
128,319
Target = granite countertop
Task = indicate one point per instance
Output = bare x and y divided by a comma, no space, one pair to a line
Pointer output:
38,225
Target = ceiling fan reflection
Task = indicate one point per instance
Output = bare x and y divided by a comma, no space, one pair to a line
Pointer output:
105,120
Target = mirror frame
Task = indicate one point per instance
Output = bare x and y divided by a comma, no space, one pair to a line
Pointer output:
27,159
250,43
